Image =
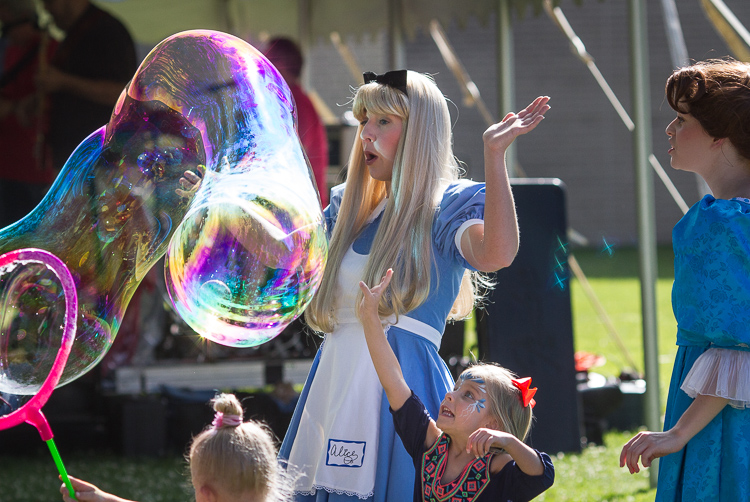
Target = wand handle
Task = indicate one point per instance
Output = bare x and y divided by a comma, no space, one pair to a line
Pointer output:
60,467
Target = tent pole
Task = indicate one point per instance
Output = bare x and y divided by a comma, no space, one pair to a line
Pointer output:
396,49
679,55
304,38
645,212
506,93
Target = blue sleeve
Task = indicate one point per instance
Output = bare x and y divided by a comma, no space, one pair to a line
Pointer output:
411,422
462,201
711,291
331,212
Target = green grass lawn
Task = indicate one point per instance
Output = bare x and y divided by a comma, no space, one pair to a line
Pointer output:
593,475
615,281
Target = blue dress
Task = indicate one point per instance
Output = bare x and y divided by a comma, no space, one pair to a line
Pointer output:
424,370
711,303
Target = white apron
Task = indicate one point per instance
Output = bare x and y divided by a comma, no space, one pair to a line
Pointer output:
336,446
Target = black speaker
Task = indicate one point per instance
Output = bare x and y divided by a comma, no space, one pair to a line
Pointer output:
527,323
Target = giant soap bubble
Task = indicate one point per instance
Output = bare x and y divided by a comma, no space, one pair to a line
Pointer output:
245,247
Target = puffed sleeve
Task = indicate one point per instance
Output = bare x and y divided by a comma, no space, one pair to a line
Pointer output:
721,373
462,206
331,212
711,291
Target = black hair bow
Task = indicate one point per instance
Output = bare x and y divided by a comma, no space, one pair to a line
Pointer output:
395,79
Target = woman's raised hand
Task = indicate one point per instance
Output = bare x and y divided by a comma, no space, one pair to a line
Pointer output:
498,137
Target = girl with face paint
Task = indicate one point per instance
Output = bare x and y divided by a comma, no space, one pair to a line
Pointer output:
475,449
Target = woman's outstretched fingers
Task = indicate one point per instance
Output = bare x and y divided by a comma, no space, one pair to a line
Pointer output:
635,450
626,452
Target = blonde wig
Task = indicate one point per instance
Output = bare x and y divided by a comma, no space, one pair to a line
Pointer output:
504,399
236,457
423,167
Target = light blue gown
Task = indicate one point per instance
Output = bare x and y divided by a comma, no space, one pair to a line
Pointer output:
424,370
711,302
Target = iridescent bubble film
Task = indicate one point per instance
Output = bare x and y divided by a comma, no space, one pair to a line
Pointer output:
245,247
37,290
32,318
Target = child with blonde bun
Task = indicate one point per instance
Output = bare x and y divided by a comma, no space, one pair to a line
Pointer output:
230,461
475,450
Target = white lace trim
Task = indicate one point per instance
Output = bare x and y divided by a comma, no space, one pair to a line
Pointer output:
333,490
721,373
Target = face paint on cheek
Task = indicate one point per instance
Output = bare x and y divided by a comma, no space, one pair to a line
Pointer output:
478,405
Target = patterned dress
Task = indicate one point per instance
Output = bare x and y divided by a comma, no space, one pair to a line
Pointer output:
341,441
711,302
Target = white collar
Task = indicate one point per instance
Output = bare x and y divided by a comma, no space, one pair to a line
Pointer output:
377,211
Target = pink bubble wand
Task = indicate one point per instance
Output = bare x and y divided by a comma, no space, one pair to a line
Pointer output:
31,412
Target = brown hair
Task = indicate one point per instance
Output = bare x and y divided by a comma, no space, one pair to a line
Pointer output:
717,93
236,458
504,398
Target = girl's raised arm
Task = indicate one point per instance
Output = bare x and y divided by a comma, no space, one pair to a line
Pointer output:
494,245
383,358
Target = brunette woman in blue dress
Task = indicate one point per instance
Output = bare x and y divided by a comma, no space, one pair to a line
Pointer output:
706,440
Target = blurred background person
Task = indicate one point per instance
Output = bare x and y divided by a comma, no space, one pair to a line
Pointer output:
25,166
88,71
286,56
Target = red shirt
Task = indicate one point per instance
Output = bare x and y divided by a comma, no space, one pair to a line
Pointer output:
314,139
19,161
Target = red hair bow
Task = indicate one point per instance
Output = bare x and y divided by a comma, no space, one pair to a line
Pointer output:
527,394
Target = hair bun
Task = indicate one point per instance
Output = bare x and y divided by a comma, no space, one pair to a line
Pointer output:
229,412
